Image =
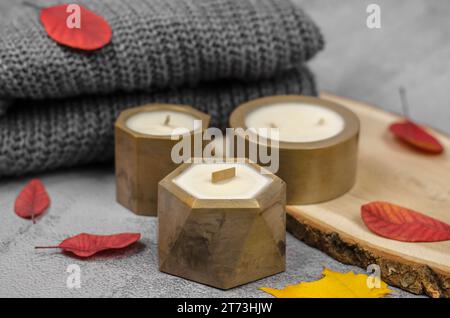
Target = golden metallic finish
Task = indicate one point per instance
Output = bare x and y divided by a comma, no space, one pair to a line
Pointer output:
143,160
221,243
313,171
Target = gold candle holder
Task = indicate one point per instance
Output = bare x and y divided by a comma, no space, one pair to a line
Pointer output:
142,159
224,241
315,171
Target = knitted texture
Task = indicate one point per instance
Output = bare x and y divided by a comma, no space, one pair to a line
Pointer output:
61,103
4,106
47,135
157,44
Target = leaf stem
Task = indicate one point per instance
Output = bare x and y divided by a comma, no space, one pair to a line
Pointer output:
44,247
405,104
31,5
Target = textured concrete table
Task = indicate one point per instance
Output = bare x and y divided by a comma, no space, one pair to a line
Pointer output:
410,49
84,201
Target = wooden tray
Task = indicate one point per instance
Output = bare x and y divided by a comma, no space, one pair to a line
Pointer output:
389,171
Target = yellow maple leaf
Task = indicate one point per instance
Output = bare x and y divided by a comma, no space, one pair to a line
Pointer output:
332,285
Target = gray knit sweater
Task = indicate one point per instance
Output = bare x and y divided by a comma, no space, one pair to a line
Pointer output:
158,44
212,54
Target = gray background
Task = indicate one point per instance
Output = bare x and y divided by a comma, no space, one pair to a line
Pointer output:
411,49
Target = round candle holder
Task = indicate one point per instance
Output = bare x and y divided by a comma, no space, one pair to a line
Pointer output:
142,160
315,171
223,242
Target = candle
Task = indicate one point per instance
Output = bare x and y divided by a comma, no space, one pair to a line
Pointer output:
160,122
297,122
221,224
317,143
244,185
143,141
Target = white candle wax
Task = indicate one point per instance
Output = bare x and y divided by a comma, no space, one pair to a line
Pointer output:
196,180
297,122
154,122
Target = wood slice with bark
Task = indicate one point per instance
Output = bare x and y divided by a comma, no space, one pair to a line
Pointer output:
389,171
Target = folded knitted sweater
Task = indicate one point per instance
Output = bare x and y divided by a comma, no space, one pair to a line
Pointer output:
211,54
157,44
42,135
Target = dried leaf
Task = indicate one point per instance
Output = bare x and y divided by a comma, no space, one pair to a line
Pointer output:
85,245
32,201
91,33
332,285
417,137
402,224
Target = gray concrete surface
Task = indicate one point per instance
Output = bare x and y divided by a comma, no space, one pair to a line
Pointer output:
83,201
410,49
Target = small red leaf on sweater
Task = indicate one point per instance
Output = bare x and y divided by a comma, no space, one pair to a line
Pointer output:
89,32
32,201
416,136
85,245
402,224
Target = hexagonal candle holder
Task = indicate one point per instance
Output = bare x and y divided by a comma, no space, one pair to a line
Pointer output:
219,227
143,145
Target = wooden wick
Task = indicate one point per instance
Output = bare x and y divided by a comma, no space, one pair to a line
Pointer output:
31,5
272,125
223,175
405,104
321,122
213,151
167,121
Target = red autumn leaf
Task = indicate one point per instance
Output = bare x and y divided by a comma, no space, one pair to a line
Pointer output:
416,136
32,201
85,245
91,33
402,224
